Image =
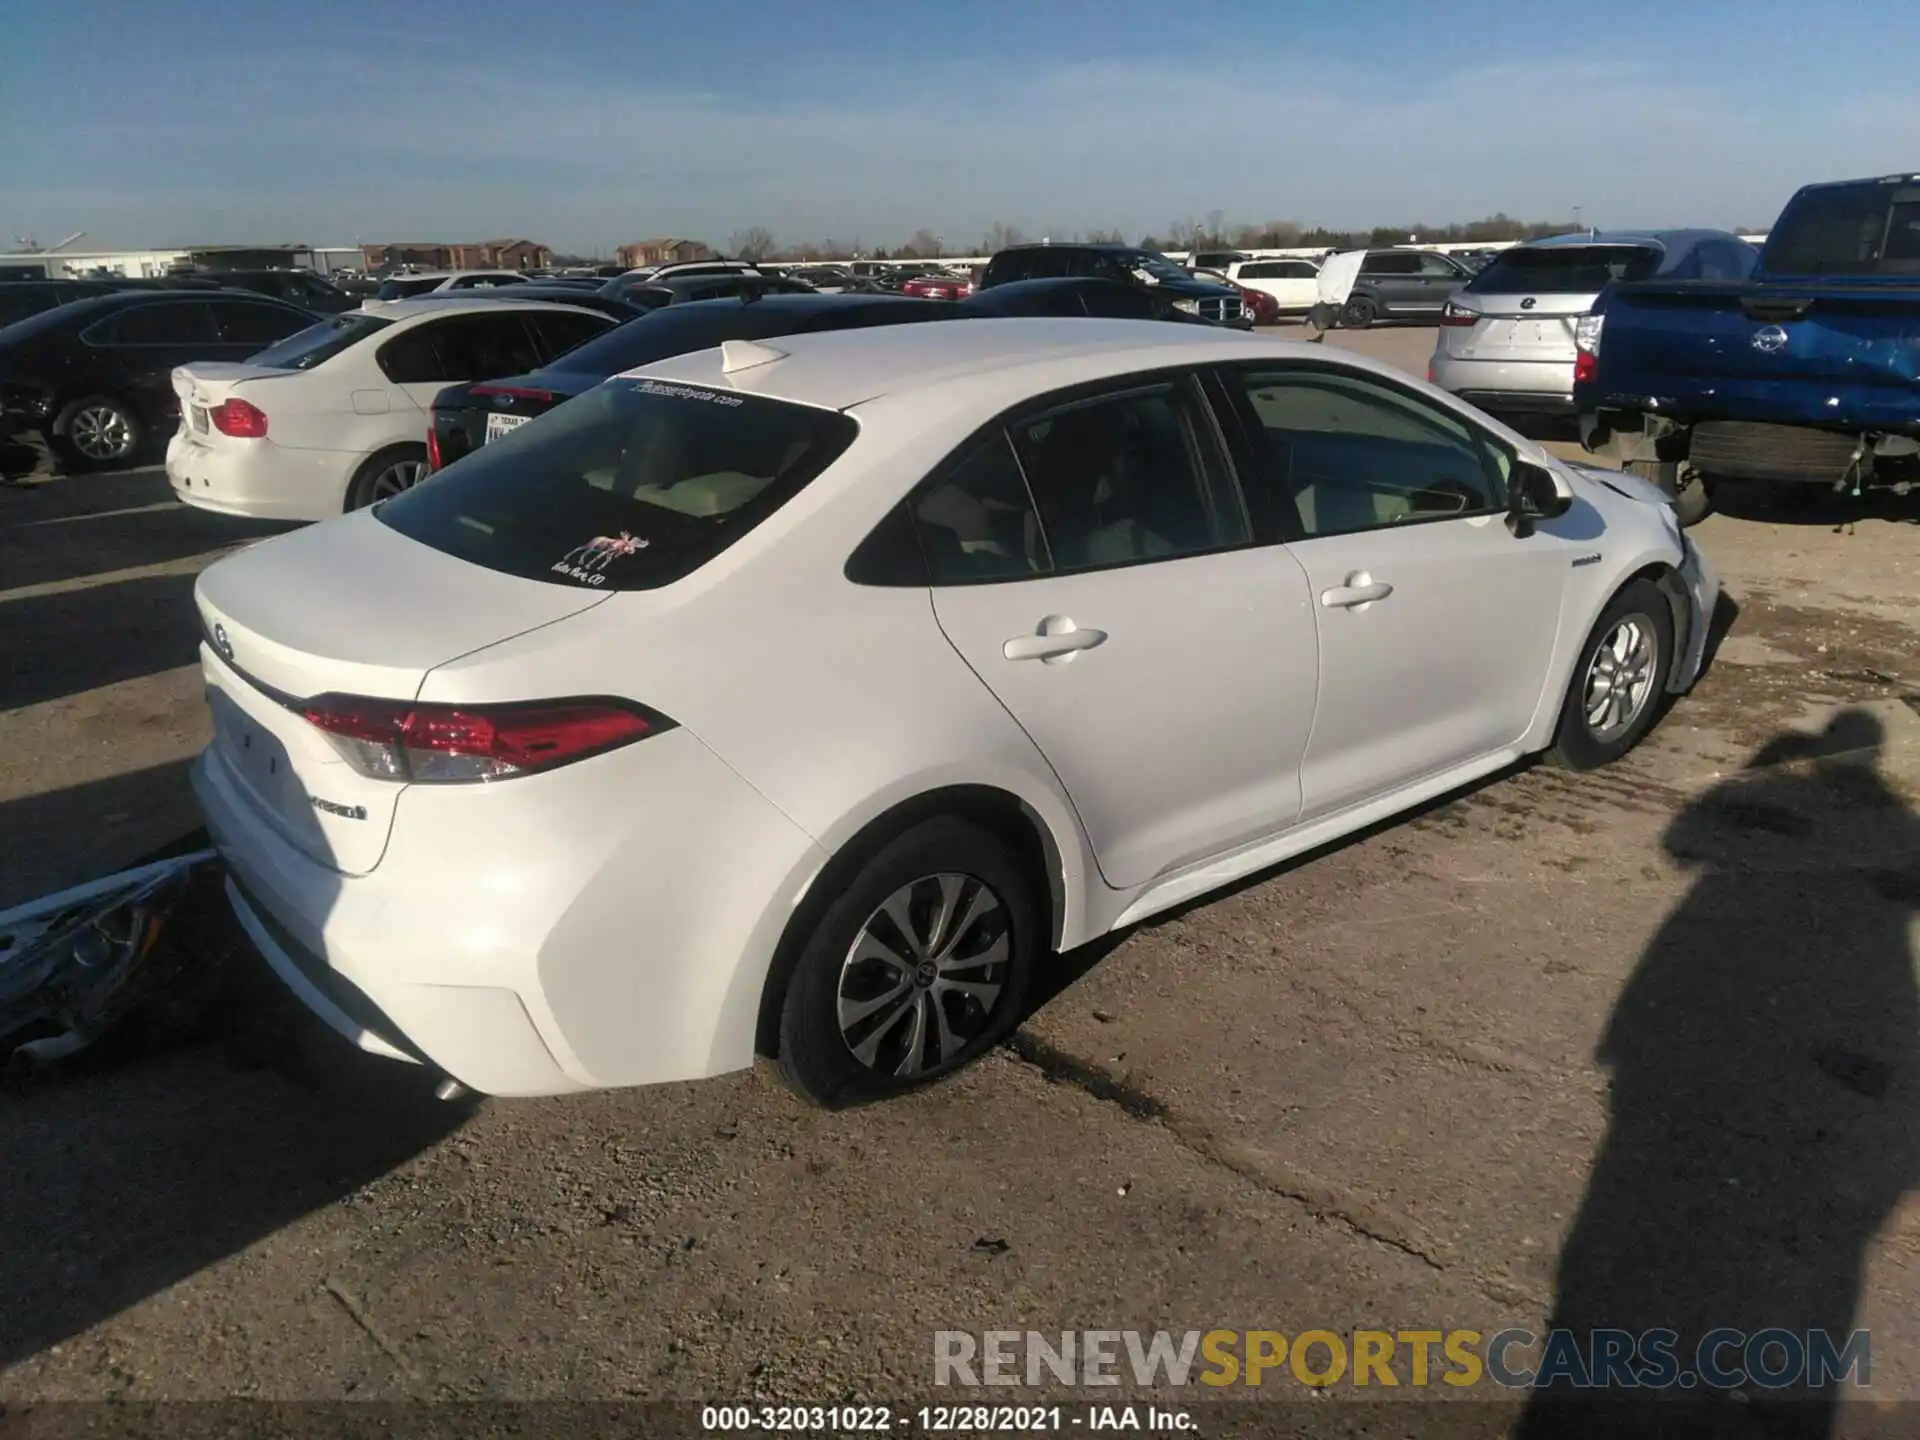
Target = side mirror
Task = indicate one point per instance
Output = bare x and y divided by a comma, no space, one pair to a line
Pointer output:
1534,493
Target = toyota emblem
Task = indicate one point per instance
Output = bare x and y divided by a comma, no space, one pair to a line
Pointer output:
1527,304
1769,339
221,643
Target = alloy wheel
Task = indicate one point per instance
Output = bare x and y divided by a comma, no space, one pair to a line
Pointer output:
922,978
100,432
401,475
1620,678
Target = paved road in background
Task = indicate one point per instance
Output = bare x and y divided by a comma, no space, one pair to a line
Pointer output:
1644,1039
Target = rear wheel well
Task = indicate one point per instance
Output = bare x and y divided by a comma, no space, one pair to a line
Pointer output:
993,810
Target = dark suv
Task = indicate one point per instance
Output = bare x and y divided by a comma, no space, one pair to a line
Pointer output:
1402,285
296,287
1126,263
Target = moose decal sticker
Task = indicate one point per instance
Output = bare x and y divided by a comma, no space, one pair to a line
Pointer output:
588,563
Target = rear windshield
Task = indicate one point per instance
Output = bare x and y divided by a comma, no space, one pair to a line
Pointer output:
1870,229
631,486
318,344
1564,269
669,331
402,289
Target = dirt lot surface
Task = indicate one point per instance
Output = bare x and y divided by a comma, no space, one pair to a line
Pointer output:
1619,1048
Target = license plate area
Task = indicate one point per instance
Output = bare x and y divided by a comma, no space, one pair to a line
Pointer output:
499,425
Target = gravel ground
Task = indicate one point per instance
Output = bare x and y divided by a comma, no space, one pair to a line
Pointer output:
1608,1047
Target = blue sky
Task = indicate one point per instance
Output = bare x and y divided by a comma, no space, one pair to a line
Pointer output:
334,121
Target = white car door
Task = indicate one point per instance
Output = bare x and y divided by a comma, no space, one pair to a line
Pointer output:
1436,624
1100,585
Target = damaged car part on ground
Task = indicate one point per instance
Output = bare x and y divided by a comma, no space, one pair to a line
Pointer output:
589,764
76,963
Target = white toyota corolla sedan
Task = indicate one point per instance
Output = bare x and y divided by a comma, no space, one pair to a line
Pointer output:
804,697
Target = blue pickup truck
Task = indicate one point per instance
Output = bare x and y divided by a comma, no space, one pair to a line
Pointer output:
1808,374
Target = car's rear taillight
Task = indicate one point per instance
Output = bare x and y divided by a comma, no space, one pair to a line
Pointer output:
1452,314
1586,365
454,744
240,419
433,443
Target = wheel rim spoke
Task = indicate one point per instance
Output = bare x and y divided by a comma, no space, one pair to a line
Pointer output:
852,1012
868,1051
914,1060
980,904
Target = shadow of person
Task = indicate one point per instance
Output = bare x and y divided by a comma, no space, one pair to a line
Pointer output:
1763,1067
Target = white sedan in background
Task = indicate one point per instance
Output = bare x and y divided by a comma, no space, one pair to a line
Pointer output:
802,697
336,417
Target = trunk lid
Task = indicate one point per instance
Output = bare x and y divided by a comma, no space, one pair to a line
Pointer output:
350,607
205,385
1517,327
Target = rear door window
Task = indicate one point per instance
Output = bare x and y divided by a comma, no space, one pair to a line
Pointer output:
176,322
1390,264
1125,478
461,347
242,322
631,486
558,331
1564,269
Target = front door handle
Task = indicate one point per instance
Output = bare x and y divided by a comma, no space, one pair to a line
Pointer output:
1056,640
1360,590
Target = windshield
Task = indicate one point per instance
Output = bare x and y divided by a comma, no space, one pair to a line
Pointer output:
629,487
1564,269
318,344
1154,268
1865,229
401,289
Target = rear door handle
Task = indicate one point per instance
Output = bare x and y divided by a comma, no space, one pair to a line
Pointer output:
1056,640
1360,589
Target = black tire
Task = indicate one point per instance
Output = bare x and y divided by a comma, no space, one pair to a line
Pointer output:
375,480
1359,312
81,430
1580,743
1692,497
818,1060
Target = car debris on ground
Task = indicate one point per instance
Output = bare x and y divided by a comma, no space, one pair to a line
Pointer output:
76,964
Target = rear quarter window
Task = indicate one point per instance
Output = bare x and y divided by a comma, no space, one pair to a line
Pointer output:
632,486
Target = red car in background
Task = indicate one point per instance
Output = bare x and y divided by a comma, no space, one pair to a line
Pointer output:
938,287
1260,307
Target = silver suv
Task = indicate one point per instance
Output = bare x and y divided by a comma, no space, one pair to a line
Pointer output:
1506,340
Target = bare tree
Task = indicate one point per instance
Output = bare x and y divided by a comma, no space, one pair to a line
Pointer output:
1105,237
1000,236
1216,228
753,243
925,245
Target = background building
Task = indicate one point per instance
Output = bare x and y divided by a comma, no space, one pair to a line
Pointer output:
662,252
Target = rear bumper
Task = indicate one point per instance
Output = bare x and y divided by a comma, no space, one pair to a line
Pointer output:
1535,386
537,937
263,481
